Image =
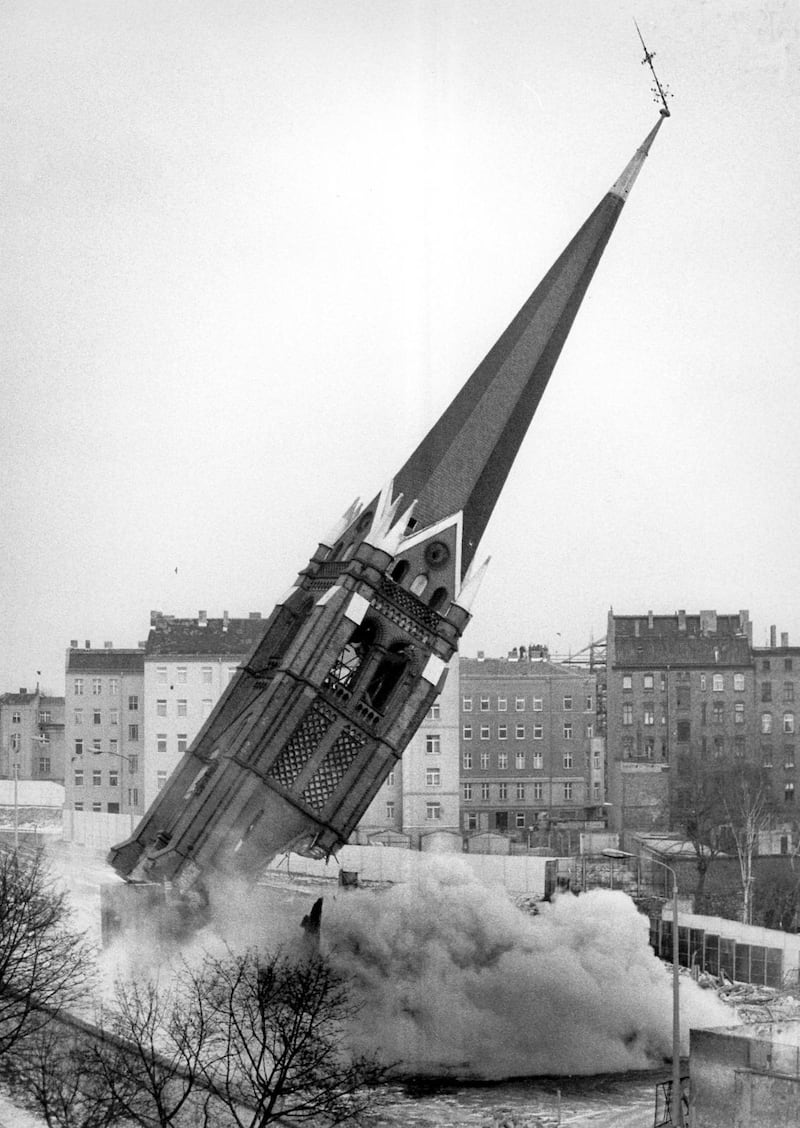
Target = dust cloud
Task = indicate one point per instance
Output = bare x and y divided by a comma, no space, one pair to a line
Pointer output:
455,978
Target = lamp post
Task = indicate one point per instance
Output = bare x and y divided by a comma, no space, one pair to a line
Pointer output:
677,1104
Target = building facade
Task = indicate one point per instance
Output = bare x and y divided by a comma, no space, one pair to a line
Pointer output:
677,686
777,707
104,729
530,757
31,736
187,665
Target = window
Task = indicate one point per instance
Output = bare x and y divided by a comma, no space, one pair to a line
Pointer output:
97,779
466,732
78,717
96,716
788,792
519,732
649,714
502,791
97,686
519,704
766,722
133,764
113,685
788,722
182,743
538,790
718,712
596,761
738,713
766,691
182,707
231,671
766,756
537,705
161,779
568,792
567,759
133,733
112,808
466,761
589,704
538,732
738,747
181,675
161,707
78,806
133,796
537,761
113,747
719,747
788,757
484,761
519,818
787,663
79,746
627,681
390,779
519,761
435,711
77,687
502,732
484,704
205,675
647,681
433,777
718,683
703,713
649,747
484,732
78,778
161,674
684,731
467,790
97,806
44,716
568,731
738,683
485,792
627,714
567,704
389,812
113,778
595,790
161,744
703,681
133,703
433,812
520,791
472,820
113,716
433,743
589,732
502,704
96,745
44,765
502,761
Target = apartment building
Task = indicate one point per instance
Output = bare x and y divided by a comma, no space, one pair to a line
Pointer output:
31,736
777,708
103,729
530,757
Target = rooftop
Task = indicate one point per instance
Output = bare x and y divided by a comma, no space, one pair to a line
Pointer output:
105,661
203,637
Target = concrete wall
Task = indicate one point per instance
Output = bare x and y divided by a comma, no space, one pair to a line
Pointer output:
745,1077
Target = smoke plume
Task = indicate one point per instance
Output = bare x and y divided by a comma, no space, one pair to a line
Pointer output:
455,978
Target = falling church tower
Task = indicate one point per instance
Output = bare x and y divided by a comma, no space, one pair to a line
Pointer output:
356,651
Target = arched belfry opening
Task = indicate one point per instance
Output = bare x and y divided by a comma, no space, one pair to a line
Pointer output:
350,660
388,675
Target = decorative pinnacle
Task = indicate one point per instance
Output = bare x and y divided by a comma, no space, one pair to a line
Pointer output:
387,531
470,586
344,523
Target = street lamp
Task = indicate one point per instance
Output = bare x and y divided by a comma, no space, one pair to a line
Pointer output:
677,1102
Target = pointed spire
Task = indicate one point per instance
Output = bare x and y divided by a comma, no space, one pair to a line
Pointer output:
463,462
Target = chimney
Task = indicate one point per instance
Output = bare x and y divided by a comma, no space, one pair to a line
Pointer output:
481,655
202,618
108,646
784,638
636,628
254,615
88,645
708,622
23,690
682,620
773,636
224,620
513,655
649,620
73,644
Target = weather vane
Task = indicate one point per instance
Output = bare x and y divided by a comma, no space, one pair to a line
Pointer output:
661,93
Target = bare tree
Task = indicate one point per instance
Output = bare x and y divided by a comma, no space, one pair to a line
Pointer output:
748,808
51,1072
157,1051
698,807
280,1034
45,963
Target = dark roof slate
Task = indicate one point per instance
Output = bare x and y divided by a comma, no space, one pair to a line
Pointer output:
107,661
186,637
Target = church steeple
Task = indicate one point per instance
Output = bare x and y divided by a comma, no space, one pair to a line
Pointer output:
462,463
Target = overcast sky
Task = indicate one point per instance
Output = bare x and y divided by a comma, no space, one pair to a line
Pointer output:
252,249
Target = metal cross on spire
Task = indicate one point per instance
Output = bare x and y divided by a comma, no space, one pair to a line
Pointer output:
661,93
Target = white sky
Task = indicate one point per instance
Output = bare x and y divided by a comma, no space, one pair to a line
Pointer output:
252,249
